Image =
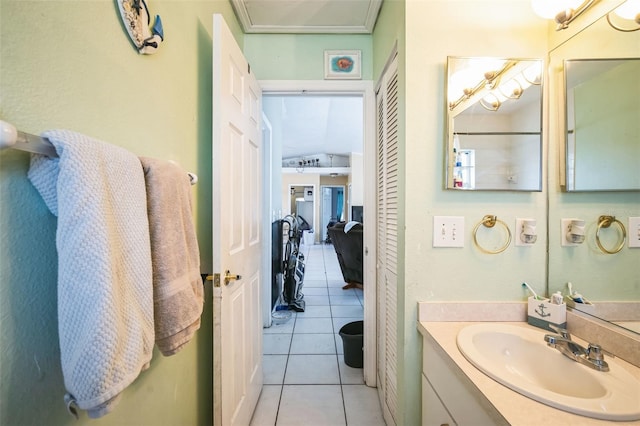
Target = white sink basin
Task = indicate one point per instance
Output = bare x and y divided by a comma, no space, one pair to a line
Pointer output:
519,358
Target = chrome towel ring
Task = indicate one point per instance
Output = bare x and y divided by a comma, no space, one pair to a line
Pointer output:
605,222
490,221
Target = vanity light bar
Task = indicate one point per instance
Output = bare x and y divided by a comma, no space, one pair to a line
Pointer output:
491,80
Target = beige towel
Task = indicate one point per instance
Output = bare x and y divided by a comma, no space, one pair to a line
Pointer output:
177,285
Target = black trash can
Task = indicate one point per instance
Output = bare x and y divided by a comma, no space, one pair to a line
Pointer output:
352,341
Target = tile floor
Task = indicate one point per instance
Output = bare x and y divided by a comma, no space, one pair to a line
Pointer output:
306,381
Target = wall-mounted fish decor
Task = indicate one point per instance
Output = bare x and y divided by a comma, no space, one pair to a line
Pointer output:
136,18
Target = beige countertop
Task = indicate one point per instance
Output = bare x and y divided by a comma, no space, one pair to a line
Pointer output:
514,407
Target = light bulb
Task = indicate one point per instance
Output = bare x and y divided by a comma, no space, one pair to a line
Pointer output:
628,10
548,9
512,89
459,81
484,66
492,101
533,73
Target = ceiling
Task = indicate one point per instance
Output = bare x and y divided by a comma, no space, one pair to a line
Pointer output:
307,16
314,124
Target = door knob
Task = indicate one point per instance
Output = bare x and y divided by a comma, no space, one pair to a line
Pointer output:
228,277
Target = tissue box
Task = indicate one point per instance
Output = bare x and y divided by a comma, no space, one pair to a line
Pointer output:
542,313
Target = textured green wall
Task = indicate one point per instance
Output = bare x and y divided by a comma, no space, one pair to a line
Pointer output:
301,56
389,32
70,64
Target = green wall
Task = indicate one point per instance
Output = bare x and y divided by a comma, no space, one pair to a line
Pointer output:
301,56
70,64
389,32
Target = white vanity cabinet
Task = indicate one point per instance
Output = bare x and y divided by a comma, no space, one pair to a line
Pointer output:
434,413
455,392
448,396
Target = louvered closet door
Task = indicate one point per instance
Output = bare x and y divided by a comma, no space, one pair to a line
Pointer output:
387,238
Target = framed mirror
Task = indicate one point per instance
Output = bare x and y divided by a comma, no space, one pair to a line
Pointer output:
609,281
602,98
494,124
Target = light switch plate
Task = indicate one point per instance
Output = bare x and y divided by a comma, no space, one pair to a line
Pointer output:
448,231
634,232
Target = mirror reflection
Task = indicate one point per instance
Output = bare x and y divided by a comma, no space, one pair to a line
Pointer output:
494,110
610,281
602,109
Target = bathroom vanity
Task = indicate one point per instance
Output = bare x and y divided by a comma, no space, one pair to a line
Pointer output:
455,392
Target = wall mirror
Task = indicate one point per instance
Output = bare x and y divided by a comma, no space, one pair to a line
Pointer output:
494,124
610,281
602,98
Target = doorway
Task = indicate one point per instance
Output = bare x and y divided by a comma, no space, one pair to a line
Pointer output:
366,197
302,203
332,207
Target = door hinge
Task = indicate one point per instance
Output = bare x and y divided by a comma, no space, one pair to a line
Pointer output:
215,278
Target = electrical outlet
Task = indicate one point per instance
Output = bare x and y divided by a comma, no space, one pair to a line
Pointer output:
634,232
526,241
448,231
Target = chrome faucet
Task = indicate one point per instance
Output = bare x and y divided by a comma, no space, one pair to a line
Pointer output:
591,356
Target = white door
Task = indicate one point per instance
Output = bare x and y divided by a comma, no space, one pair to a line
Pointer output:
237,246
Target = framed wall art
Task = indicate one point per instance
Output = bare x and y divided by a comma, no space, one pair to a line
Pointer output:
342,64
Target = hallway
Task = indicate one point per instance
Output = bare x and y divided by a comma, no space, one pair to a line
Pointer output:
306,381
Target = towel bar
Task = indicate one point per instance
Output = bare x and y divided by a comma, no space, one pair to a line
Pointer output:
10,137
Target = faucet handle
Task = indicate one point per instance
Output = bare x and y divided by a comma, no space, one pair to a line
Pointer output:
561,331
595,352
598,351
551,340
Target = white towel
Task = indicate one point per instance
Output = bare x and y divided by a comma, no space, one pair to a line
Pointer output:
105,300
177,284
